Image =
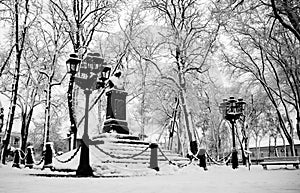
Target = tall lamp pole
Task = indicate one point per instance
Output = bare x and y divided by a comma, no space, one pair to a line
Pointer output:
89,69
231,110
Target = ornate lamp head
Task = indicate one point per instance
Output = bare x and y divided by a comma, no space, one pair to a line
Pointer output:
92,63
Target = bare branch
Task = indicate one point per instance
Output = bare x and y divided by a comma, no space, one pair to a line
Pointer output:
284,24
7,59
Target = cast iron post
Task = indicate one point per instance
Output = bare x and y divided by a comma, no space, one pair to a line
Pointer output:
84,168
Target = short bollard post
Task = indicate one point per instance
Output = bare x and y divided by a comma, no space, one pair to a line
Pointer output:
17,158
234,159
153,157
29,162
202,159
48,156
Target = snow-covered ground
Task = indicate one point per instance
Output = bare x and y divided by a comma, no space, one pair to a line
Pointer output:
190,179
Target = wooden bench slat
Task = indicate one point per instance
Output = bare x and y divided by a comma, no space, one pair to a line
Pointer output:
295,161
281,158
274,163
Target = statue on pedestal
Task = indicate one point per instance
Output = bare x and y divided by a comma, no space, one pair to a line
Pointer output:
116,106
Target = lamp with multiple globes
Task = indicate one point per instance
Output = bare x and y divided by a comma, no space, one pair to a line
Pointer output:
232,109
89,69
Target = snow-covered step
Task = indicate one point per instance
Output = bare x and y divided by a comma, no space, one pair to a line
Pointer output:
111,153
130,151
115,136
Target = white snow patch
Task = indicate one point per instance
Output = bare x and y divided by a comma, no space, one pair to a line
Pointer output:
190,179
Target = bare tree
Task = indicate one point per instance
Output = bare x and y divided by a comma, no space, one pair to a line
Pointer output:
6,13
267,53
189,33
142,44
28,93
54,41
20,32
27,103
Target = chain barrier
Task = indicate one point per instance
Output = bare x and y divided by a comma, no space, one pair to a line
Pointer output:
68,160
119,157
25,155
171,162
41,161
223,158
163,154
226,158
195,155
135,155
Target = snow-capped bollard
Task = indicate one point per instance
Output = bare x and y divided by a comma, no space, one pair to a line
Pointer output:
29,162
49,153
202,158
153,157
17,158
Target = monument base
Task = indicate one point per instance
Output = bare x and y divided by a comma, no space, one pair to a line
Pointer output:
118,126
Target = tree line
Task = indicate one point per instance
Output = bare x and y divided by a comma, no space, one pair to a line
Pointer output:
167,50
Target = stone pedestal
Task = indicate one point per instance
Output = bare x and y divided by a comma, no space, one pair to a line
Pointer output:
116,112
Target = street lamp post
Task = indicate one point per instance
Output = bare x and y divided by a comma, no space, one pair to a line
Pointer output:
89,69
231,110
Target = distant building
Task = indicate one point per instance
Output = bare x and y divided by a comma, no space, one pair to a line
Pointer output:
269,149
15,139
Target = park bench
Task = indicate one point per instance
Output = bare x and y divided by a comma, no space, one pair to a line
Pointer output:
295,161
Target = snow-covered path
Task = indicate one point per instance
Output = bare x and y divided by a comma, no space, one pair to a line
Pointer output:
188,180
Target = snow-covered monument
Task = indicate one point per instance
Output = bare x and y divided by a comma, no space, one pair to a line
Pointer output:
107,148
116,107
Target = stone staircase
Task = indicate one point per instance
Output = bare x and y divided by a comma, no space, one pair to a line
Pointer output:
113,155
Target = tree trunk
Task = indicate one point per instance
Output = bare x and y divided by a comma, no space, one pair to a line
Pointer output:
25,129
286,133
182,134
298,125
275,146
143,106
47,114
179,142
269,146
187,119
99,116
72,117
256,147
244,158
245,139
260,149
24,133
216,133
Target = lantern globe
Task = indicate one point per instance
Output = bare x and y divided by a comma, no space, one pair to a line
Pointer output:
232,105
240,105
105,73
73,64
